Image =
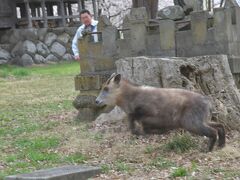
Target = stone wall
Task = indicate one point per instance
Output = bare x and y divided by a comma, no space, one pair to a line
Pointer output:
36,46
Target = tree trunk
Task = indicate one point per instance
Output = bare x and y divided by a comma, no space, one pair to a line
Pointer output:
151,6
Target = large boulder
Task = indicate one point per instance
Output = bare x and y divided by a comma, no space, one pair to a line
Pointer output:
26,60
18,49
50,38
38,59
51,57
3,61
29,47
112,121
42,49
42,33
68,57
208,75
64,38
29,34
172,12
4,55
58,49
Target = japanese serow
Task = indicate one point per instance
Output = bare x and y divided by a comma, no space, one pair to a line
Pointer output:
162,109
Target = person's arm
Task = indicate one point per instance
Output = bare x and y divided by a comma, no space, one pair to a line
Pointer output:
75,44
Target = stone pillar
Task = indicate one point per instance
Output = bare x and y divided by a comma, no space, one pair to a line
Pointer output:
138,20
199,27
97,64
167,36
222,24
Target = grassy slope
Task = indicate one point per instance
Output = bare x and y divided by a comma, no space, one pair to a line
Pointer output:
27,97
37,130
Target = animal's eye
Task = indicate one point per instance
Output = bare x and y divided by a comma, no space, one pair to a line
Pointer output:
105,89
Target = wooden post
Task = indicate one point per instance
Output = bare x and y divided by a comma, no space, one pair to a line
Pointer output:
62,13
94,9
83,4
38,12
69,6
33,10
28,14
45,22
79,6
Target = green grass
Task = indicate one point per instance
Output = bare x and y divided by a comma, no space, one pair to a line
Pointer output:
63,68
76,158
26,100
161,163
181,143
122,167
179,172
37,143
105,168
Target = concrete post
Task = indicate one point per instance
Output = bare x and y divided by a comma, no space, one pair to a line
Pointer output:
167,35
138,21
199,26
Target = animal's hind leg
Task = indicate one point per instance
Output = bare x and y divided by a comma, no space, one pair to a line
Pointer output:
204,130
221,133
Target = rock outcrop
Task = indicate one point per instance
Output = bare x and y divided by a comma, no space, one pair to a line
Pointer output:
208,75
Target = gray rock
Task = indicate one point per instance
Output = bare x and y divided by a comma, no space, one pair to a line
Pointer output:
61,173
68,57
64,38
172,12
58,49
5,34
115,115
15,37
18,49
38,59
42,49
50,38
231,3
209,75
84,101
51,57
71,30
4,55
26,60
29,47
42,33
3,61
57,31
29,34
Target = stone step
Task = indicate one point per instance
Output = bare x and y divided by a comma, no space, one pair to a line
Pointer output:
59,173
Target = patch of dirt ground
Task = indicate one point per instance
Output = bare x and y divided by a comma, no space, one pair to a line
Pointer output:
124,156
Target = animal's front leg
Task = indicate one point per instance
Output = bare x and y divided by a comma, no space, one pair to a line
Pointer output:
132,126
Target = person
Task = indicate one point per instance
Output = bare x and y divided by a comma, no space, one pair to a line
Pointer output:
88,25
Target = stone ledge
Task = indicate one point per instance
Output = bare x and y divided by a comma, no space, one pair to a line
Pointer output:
59,173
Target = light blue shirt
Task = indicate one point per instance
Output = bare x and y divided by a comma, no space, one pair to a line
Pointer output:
78,35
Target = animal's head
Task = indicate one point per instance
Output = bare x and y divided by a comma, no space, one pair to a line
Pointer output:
109,91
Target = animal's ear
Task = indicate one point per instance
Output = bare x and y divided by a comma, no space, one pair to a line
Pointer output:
117,79
113,74
109,79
